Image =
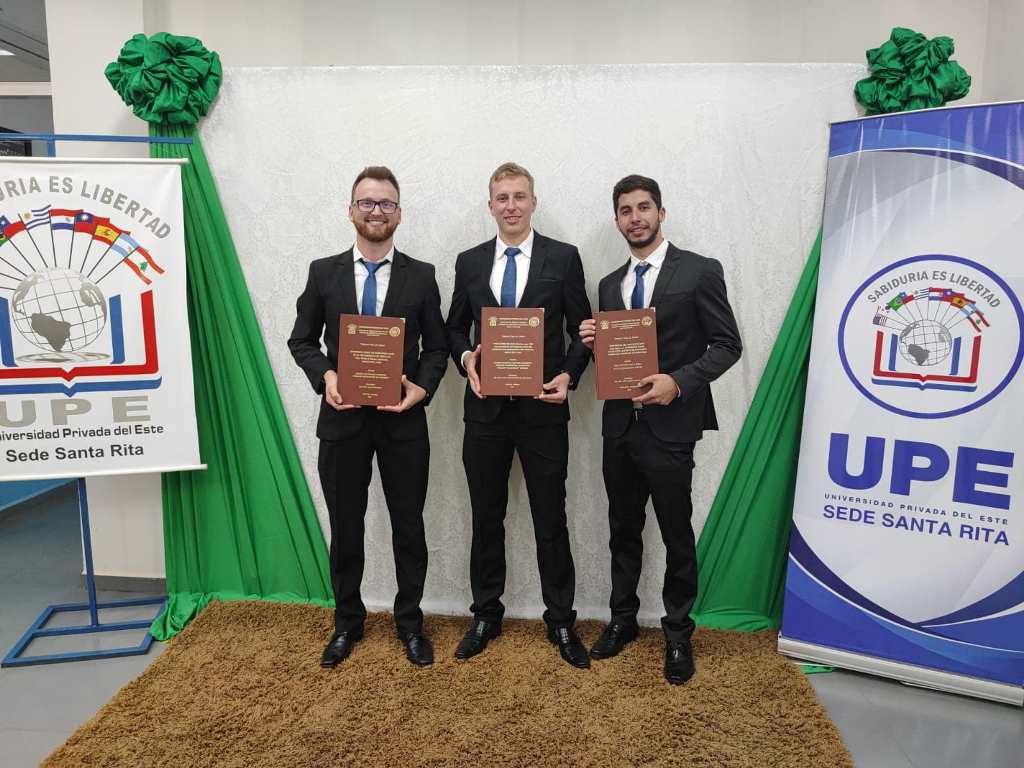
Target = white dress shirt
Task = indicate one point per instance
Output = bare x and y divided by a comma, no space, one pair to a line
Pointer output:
498,272
383,278
655,260
522,266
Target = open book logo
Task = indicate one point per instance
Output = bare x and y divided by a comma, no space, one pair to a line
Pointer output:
76,304
931,336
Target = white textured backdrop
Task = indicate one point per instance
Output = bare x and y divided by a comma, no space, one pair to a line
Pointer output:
739,151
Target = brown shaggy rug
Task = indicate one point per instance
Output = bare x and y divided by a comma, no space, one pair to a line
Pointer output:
242,686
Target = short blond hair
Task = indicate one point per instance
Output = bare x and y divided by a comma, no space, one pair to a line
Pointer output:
508,170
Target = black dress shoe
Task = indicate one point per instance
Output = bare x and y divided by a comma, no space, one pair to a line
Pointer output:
418,650
678,662
339,647
613,640
569,646
476,637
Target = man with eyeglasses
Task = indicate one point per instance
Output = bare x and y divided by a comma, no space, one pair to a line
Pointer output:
649,441
519,268
373,278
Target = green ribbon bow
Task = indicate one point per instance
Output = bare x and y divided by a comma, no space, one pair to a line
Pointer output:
909,71
166,78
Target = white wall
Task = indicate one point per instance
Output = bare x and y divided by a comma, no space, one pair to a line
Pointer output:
125,512
409,32
1004,59
742,181
83,37
340,32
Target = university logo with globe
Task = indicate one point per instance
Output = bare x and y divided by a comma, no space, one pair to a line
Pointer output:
61,312
932,336
67,308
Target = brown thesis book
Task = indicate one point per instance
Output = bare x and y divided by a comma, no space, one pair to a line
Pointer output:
512,351
370,359
625,351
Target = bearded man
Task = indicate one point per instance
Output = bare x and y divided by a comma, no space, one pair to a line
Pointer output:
373,278
649,442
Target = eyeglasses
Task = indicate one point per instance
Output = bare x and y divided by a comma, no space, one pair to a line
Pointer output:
366,205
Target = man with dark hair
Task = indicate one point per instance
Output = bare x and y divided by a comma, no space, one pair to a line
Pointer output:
373,278
633,184
649,441
519,268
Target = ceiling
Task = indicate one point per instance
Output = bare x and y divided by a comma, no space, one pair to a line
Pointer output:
23,33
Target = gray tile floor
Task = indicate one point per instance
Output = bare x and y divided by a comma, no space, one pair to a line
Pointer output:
890,725
884,724
41,565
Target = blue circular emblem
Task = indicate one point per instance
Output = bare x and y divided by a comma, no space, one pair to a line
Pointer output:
932,336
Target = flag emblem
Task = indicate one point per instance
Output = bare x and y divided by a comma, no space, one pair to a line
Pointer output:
59,320
926,336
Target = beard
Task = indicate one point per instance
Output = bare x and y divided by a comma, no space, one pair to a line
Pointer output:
375,235
641,244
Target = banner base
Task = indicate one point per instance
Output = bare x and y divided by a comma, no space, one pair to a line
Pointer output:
40,629
923,677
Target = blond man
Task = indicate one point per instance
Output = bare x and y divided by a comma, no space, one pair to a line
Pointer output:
519,268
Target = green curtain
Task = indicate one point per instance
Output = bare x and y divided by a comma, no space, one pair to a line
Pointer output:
246,527
742,549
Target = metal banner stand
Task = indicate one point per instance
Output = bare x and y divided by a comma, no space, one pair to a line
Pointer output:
39,628
14,657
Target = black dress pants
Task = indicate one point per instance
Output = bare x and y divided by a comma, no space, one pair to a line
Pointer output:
638,466
345,469
544,454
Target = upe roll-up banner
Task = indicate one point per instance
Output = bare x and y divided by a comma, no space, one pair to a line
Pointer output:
907,551
95,362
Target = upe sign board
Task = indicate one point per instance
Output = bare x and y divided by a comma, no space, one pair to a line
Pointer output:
95,362
907,551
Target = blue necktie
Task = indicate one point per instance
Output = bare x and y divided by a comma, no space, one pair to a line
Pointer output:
370,287
637,300
508,282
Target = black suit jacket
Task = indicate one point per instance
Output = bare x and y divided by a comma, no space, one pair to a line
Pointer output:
330,292
555,282
697,342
